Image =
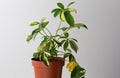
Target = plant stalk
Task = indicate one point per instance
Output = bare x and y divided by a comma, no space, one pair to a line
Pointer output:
58,27
49,31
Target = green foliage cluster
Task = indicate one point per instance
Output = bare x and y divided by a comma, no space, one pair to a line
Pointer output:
50,44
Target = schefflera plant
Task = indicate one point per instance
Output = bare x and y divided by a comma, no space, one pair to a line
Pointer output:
51,44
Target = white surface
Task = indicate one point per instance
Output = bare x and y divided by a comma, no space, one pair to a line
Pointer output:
99,46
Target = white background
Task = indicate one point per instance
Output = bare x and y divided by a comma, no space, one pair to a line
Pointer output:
99,46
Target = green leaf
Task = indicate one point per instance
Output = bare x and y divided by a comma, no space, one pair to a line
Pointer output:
29,38
53,52
56,9
35,31
36,55
60,5
64,28
73,46
79,25
56,13
65,45
70,4
69,50
67,55
44,41
62,42
57,42
66,35
45,59
40,56
51,45
69,18
74,39
71,58
78,72
44,24
34,23
34,36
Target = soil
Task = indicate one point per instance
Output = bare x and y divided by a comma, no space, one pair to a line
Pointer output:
51,59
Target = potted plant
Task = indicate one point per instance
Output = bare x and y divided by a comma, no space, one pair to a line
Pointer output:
55,49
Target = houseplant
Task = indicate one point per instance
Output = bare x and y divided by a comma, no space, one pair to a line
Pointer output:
58,47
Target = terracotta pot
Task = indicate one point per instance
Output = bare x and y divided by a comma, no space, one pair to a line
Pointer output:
54,70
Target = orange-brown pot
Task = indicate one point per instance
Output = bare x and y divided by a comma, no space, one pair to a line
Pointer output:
54,70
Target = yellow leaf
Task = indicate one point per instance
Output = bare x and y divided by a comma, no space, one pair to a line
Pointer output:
70,66
72,10
62,17
39,49
42,19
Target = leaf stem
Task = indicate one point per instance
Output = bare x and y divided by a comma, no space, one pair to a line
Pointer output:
58,27
49,31
65,31
45,33
41,33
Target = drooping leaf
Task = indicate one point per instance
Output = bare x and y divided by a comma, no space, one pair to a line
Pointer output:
62,16
72,10
73,46
45,59
74,39
34,23
78,72
69,18
67,55
71,58
65,45
70,4
79,25
60,5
